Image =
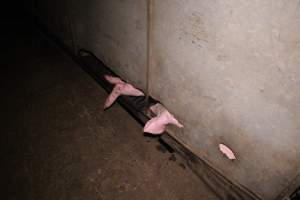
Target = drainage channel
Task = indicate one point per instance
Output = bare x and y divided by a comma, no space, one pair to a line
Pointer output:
138,107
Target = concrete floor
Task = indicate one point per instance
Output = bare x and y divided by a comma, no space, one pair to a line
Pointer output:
57,143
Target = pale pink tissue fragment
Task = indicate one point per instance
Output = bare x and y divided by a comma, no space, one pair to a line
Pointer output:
227,151
113,80
121,88
157,125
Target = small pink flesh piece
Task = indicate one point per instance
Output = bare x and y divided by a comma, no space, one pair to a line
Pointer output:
227,151
115,93
157,125
129,90
113,80
121,88
154,126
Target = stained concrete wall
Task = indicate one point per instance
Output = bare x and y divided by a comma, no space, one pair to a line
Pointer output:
229,71
115,31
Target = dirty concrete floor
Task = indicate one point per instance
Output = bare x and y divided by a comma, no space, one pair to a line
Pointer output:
58,143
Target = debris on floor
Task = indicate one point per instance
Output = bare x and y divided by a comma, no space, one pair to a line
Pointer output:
227,151
120,88
157,125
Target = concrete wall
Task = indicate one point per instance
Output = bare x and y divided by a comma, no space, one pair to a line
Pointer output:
115,31
229,70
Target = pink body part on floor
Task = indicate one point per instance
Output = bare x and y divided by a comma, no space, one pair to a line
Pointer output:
157,125
121,88
227,151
